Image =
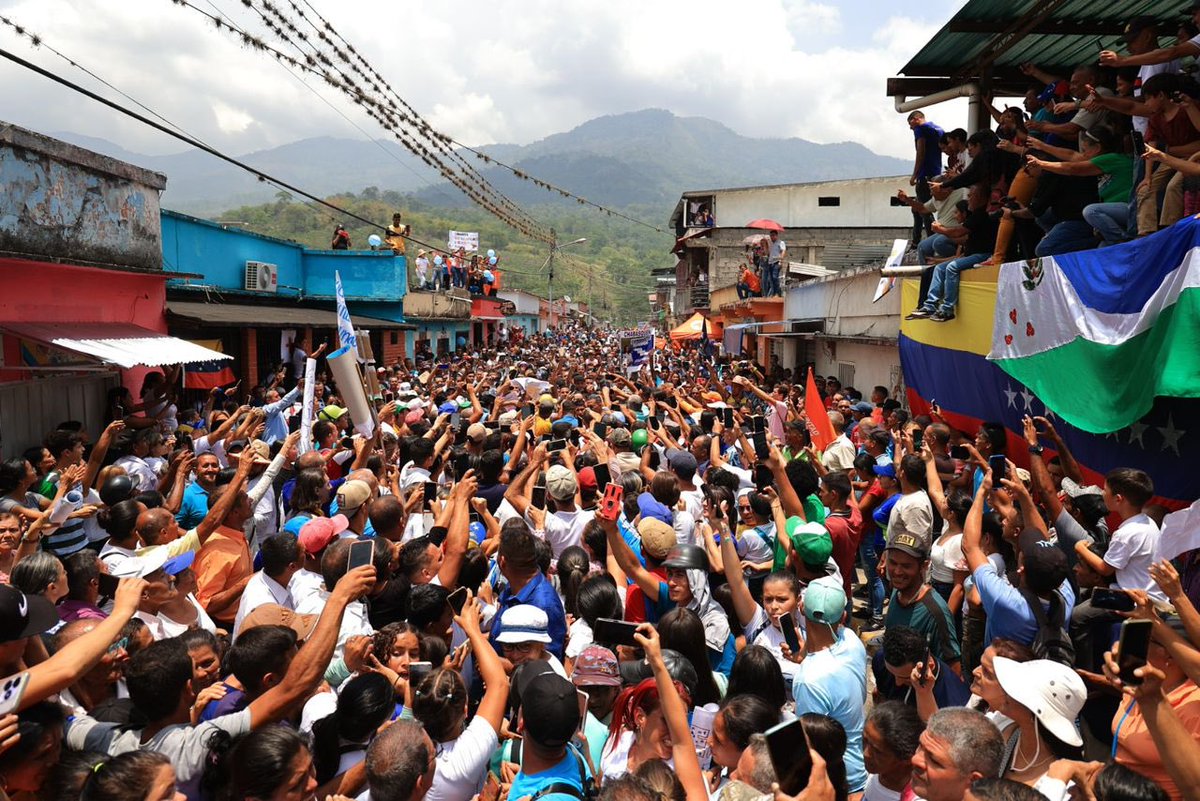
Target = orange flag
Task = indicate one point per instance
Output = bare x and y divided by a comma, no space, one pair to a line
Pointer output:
819,427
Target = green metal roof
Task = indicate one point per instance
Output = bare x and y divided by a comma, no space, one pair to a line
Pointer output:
1056,35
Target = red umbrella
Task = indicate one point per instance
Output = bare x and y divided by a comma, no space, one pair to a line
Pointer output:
765,225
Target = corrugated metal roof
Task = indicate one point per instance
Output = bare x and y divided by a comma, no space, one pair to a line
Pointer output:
1054,34
123,344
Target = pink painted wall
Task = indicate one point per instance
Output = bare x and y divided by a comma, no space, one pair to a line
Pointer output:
39,292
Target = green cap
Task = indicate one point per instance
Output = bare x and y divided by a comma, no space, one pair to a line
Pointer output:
811,541
825,600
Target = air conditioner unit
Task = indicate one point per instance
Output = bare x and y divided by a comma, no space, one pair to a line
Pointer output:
262,277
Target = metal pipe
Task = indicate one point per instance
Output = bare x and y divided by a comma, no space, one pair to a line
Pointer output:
903,271
904,106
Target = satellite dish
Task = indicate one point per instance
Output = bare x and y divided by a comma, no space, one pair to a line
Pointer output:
566,298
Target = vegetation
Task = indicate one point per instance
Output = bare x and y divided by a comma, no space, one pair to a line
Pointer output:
611,271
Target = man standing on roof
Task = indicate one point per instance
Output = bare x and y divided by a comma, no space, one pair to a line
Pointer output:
926,165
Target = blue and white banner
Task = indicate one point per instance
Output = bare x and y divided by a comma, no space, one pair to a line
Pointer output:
346,335
639,348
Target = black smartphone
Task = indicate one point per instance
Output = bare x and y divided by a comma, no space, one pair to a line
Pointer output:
959,452
347,442
1132,648
362,552
788,747
603,476
763,477
760,444
418,671
538,501
610,631
999,466
655,423
462,463
457,599
759,422
556,445
431,492
727,416
474,517
918,435
108,585
574,437
787,625
527,411
1104,598
600,430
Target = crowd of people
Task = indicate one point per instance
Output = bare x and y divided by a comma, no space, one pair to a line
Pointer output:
542,576
1105,155
761,274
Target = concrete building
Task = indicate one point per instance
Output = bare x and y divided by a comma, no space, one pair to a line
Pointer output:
524,311
829,226
82,287
257,291
835,327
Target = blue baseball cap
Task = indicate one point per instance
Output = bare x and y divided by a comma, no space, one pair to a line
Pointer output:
886,470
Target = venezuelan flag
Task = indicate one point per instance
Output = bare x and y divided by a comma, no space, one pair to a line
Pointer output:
206,375
947,363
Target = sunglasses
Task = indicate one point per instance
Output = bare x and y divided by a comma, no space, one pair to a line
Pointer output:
119,645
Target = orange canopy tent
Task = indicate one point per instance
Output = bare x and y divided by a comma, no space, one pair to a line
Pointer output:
693,328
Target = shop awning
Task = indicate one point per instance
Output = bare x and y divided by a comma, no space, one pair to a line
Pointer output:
694,233
236,314
121,344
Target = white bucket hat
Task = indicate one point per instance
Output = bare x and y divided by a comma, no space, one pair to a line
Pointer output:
524,623
1053,692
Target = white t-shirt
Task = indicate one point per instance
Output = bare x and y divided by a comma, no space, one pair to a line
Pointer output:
875,791
462,763
945,557
564,529
761,631
579,636
1131,551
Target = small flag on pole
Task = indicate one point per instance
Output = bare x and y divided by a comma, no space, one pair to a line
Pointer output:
346,335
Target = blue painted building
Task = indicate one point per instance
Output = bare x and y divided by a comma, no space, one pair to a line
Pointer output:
257,291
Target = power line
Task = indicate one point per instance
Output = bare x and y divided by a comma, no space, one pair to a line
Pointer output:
189,140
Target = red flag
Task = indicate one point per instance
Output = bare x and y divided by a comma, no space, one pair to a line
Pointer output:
819,427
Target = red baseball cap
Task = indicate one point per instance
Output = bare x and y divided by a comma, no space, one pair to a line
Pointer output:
316,534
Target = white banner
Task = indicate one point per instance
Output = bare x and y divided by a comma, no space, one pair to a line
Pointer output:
467,240
306,412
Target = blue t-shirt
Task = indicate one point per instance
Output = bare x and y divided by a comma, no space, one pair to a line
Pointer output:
1008,614
194,507
931,164
565,772
833,682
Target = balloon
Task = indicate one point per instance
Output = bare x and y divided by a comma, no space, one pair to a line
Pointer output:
478,532
437,260
491,254
374,241
488,277
492,260
639,438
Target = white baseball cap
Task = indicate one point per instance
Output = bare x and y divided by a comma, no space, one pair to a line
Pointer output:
524,623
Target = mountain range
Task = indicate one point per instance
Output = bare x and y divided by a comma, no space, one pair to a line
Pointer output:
642,158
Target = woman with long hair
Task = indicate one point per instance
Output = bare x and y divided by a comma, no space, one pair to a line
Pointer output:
310,494
597,597
262,764
440,703
756,671
340,740
828,738
572,568
17,477
681,630
740,717
638,731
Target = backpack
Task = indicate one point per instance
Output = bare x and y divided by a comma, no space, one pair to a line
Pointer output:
589,791
1052,640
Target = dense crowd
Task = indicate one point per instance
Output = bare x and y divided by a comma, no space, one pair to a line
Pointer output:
1099,157
541,576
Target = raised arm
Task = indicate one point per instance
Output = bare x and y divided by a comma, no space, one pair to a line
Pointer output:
73,660
308,666
459,529
743,604
973,527
96,460
628,561
491,668
683,750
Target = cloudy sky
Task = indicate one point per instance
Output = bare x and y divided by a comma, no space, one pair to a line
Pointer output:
485,71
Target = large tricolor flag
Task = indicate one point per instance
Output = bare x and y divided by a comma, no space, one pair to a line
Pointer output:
206,375
1099,334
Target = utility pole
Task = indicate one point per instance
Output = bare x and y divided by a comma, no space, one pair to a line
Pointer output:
550,279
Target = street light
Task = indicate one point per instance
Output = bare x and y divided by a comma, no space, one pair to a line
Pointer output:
554,248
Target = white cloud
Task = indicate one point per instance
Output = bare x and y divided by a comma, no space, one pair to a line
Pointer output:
507,70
